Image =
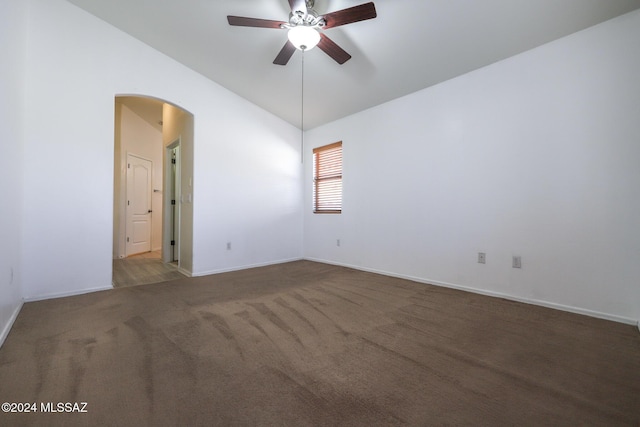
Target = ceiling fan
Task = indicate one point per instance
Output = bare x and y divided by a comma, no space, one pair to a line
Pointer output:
306,28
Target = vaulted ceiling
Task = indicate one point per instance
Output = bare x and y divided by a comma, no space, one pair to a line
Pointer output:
411,45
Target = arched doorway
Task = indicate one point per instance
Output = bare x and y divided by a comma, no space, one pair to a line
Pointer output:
153,164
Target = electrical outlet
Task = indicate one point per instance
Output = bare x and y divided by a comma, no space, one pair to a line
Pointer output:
517,262
482,258
338,242
228,246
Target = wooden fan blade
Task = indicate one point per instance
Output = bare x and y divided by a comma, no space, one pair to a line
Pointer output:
329,47
349,15
298,5
242,21
285,54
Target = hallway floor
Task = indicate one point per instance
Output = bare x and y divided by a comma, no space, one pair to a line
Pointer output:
143,269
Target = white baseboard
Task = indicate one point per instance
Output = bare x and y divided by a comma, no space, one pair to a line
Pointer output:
185,272
7,328
244,267
571,309
577,310
66,294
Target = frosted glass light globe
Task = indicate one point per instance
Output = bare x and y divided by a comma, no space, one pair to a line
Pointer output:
303,37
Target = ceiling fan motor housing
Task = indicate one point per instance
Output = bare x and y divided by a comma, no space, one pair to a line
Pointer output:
310,18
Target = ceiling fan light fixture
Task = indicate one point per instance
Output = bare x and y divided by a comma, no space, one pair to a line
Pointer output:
304,37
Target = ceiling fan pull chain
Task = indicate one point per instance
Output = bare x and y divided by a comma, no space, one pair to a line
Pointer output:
302,112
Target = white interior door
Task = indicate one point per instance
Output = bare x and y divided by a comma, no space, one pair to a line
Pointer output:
138,228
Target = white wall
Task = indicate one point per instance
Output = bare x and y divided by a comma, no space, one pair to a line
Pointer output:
248,190
246,161
534,156
13,36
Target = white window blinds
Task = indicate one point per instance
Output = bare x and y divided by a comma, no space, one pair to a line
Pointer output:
327,178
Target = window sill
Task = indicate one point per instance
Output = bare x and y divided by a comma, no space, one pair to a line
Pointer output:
327,212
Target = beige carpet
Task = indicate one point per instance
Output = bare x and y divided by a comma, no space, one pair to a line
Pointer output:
305,343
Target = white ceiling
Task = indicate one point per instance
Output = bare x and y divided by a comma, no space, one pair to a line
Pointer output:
148,109
412,44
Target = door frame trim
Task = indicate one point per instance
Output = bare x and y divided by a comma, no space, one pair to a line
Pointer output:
166,201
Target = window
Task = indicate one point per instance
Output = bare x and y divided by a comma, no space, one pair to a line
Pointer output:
327,178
